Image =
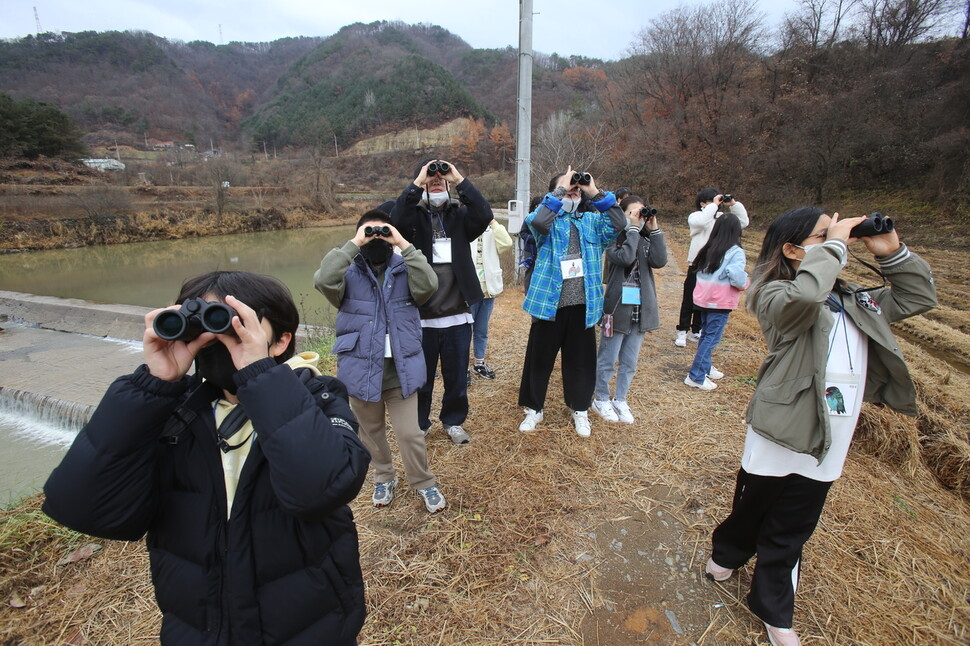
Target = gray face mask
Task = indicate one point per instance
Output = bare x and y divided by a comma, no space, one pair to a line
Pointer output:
570,204
436,200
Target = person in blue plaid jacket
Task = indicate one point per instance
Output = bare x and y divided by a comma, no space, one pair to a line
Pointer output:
572,227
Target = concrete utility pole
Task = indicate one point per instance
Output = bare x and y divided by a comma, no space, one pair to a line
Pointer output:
523,124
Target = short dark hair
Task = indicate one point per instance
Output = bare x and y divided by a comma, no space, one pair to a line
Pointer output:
622,192
387,206
630,199
269,297
374,215
706,195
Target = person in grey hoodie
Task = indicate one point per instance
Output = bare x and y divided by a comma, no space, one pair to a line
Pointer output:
629,306
377,293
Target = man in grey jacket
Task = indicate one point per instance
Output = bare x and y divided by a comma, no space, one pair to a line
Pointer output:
379,356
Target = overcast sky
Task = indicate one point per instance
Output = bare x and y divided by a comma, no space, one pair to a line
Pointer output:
607,27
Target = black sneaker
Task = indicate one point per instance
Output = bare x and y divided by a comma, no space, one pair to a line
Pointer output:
482,370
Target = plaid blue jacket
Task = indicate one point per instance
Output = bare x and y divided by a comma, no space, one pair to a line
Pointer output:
596,230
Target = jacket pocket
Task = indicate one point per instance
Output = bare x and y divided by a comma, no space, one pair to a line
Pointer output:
345,342
784,392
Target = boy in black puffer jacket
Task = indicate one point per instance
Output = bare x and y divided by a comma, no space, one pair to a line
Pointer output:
240,474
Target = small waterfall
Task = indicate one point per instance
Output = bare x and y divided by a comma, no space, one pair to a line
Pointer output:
44,419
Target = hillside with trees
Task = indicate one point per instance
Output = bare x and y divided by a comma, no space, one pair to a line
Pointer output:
856,95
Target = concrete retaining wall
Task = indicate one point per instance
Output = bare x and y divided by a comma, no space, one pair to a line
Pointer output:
75,315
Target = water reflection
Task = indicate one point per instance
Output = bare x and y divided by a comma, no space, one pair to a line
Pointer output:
150,273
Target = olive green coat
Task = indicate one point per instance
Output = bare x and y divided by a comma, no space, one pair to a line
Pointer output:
788,406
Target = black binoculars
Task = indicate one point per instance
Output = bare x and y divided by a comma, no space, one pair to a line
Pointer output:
438,168
382,231
727,197
873,225
647,212
582,179
192,319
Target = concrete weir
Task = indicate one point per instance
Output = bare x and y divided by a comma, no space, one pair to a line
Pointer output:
58,356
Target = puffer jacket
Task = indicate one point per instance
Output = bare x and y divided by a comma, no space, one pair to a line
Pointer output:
283,569
788,406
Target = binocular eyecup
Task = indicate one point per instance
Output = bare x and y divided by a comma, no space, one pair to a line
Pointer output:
727,197
583,179
382,231
873,225
647,212
194,317
438,168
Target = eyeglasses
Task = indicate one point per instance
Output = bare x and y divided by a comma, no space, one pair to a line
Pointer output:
822,235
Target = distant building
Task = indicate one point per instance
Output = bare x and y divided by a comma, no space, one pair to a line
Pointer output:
103,164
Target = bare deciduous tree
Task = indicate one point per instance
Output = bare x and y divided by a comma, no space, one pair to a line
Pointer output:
818,23
564,140
891,24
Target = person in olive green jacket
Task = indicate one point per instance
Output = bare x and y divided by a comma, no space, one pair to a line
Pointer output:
830,348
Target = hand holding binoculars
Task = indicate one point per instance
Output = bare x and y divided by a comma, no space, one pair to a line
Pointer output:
194,317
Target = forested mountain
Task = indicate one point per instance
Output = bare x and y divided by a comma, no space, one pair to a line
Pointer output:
844,96
366,79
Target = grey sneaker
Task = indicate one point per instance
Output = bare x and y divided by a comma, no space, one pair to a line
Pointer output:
458,434
384,493
433,500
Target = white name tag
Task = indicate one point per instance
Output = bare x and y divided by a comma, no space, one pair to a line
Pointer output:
572,268
441,251
387,346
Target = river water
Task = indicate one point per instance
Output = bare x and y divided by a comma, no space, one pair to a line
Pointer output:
148,274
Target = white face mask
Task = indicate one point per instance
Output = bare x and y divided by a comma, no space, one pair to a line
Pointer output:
845,257
570,204
436,199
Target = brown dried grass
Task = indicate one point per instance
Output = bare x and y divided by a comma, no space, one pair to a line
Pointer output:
888,564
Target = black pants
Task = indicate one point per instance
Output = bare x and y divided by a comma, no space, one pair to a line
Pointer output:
569,334
450,344
772,517
690,319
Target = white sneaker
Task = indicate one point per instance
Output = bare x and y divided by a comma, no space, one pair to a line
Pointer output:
581,420
623,411
681,340
605,410
707,385
694,336
532,419
714,373
782,636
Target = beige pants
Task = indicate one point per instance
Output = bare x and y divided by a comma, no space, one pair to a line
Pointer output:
410,441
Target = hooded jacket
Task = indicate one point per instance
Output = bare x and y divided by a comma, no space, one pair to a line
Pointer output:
281,567
649,251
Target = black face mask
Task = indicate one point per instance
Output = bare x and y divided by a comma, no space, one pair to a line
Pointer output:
377,252
215,364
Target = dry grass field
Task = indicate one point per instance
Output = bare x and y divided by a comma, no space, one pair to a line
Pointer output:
552,539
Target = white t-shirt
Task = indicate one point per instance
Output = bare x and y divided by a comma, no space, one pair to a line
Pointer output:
845,378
